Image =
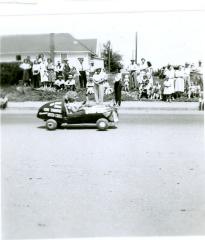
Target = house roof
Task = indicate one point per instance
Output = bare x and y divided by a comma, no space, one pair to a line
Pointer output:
42,43
90,44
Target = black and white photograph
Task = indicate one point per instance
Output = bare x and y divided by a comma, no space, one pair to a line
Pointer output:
102,119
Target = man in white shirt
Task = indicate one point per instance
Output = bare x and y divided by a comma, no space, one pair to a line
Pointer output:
132,69
92,69
187,71
199,70
99,78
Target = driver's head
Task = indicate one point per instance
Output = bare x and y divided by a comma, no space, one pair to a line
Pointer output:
70,96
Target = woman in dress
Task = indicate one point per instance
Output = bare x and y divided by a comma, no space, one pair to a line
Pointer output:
25,66
51,72
169,83
44,74
179,82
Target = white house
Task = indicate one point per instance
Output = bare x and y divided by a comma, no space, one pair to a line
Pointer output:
58,46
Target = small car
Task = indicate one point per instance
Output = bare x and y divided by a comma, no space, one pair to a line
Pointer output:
56,113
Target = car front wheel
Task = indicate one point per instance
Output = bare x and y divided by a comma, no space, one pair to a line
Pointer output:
51,124
102,124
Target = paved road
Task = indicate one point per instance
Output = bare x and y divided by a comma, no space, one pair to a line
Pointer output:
146,178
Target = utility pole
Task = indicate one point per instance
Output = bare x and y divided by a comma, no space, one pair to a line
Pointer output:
52,45
109,57
136,39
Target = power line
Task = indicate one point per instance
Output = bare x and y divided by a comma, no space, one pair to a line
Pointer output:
105,12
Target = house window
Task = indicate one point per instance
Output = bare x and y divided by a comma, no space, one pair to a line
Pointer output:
18,57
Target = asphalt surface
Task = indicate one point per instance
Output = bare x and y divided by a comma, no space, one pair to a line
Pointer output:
145,178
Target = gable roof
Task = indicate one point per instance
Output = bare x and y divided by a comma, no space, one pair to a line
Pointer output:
90,44
41,43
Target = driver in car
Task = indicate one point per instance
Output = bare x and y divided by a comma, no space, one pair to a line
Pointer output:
71,105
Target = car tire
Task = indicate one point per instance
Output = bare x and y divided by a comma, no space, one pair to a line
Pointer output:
102,124
51,124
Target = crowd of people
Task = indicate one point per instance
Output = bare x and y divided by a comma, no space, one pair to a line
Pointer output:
43,74
138,77
176,81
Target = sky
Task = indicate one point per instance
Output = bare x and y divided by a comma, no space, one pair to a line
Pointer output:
168,31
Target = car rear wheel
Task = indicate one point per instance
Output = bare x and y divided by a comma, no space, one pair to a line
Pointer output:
51,124
102,124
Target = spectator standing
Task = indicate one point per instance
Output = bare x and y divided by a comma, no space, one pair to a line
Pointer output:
179,82
149,73
83,75
143,68
138,79
25,66
30,69
74,72
66,70
89,88
132,69
36,74
59,69
51,72
118,87
44,74
199,70
92,69
187,71
169,83
99,77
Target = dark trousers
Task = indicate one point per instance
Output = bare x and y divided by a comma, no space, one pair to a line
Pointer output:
36,80
117,92
83,79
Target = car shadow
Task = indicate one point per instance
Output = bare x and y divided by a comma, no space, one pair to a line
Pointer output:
77,127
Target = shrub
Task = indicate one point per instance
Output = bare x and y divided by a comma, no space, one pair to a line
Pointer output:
10,73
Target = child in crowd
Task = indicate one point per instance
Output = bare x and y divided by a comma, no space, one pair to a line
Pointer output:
156,91
168,89
108,90
194,90
59,84
90,88
126,83
70,83
44,79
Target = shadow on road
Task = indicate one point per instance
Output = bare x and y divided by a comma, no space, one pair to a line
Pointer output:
77,127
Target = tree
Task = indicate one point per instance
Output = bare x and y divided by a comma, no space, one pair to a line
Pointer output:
112,60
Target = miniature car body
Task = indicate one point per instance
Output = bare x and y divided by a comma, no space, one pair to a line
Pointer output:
56,113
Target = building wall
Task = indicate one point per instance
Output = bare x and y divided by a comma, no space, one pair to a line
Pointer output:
72,59
98,63
12,57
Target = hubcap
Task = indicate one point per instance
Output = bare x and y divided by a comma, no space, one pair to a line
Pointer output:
102,124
